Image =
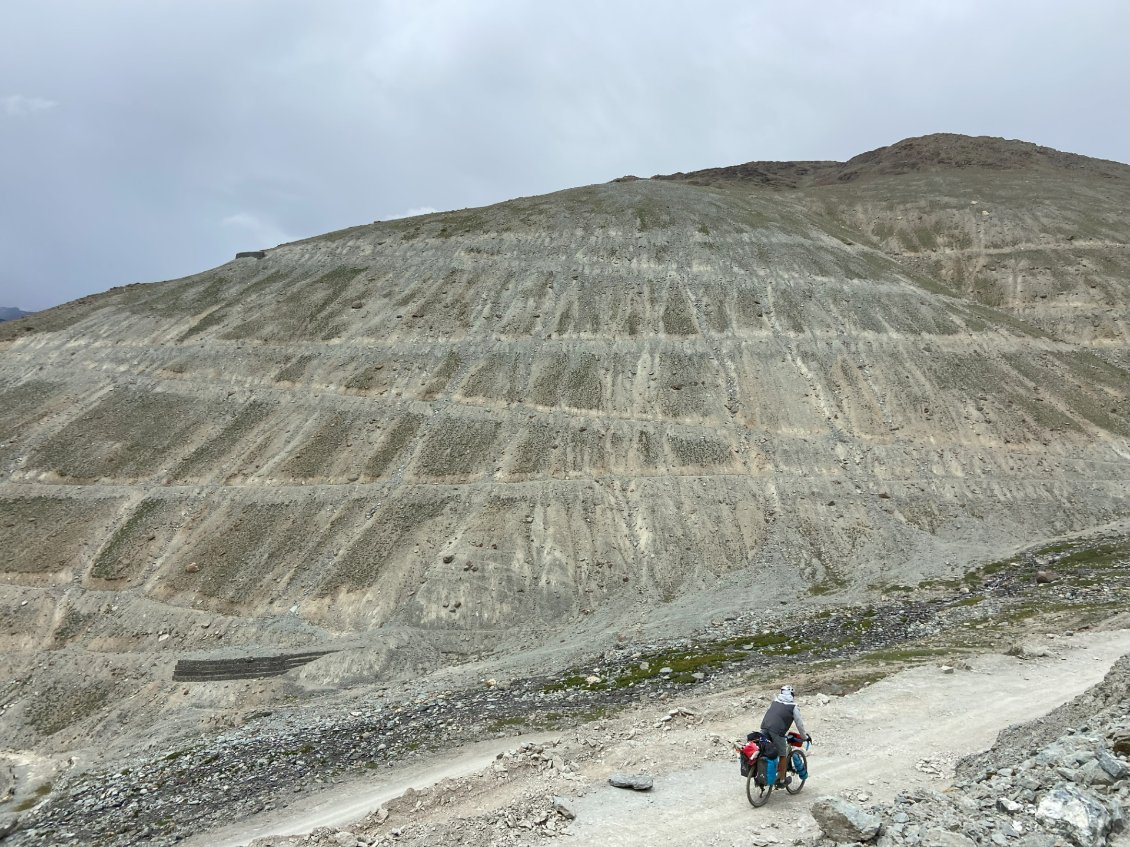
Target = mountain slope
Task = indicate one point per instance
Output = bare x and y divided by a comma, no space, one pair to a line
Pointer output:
424,440
1037,233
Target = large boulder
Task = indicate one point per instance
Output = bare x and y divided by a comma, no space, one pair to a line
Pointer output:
1077,814
636,782
843,821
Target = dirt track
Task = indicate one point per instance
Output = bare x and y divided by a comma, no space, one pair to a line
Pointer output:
917,720
356,800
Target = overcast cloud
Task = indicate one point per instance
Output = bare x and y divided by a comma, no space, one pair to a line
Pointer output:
149,139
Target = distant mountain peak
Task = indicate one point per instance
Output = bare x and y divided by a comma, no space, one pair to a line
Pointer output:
11,313
939,151
951,150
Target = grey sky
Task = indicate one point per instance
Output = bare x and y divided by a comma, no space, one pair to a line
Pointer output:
149,139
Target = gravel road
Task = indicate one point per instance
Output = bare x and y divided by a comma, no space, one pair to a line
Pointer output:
917,723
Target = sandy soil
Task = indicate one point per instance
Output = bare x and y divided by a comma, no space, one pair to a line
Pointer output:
918,723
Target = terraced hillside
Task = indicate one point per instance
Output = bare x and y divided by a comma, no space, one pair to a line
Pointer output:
416,442
1037,233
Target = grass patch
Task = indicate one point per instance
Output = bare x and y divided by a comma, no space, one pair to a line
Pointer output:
1083,612
1105,555
1064,556
839,680
940,584
597,713
853,682
830,581
511,722
399,436
827,585
683,664
213,318
37,795
651,215
569,683
906,654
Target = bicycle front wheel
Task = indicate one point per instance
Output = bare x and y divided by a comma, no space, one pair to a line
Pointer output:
796,784
758,794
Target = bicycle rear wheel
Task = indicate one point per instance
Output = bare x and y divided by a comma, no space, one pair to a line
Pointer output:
758,794
796,784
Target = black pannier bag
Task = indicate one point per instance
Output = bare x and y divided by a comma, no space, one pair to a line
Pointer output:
762,776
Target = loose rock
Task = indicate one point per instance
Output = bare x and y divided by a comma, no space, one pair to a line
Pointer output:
636,782
1077,814
564,808
843,821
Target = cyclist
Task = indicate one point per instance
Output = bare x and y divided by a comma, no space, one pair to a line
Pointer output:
782,714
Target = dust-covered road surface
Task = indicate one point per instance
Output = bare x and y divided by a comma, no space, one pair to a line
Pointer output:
906,730
352,801
876,742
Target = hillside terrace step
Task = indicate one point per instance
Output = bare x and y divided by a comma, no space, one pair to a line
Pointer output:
246,661
230,675
245,667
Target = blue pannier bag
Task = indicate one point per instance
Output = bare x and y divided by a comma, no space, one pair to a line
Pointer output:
799,766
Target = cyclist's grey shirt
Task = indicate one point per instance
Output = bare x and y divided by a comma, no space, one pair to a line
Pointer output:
780,717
